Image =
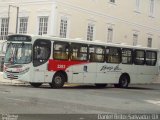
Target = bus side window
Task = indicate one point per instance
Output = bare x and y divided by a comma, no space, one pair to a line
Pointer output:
127,56
79,52
151,58
113,55
96,53
61,51
139,57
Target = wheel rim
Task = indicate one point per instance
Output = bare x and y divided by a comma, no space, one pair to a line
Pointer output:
58,80
124,82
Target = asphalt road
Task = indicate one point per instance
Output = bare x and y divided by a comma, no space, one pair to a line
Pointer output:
24,99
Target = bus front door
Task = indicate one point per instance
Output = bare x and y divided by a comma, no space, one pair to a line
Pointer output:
39,73
41,55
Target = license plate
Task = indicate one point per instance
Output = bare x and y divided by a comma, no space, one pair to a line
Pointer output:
11,76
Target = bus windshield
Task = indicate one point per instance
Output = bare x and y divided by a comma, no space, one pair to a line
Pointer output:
18,53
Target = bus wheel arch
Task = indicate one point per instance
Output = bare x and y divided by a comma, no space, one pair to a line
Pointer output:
124,81
58,80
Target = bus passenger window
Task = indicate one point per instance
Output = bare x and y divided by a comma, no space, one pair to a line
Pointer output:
139,58
113,55
61,51
126,56
96,53
151,58
79,52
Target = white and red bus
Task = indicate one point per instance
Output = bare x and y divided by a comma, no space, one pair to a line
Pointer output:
53,60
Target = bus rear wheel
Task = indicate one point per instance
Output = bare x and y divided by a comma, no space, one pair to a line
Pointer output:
100,85
58,81
35,84
123,81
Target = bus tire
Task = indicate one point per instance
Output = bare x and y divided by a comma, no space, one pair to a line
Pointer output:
124,81
58,81
35,84
100,85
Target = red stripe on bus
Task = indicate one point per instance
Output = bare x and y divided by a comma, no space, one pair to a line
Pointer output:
56,65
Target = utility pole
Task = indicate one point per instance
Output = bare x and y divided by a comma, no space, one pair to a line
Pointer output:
16,17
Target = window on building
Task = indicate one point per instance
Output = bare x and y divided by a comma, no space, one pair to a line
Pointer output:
43,25
113,55
23,23
149,42
126,56
151,58
4,29
79,52
139,58
63,27
96,53
110,35
135,39
151,9
137,5
61,51
90,32
112,1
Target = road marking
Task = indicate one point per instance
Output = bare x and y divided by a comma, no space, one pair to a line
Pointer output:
156,102
17,99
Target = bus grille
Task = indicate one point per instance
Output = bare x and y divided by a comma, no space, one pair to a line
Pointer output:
11,76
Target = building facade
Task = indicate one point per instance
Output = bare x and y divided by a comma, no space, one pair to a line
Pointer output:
133,22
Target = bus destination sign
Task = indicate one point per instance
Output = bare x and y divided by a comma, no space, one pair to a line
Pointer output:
19,38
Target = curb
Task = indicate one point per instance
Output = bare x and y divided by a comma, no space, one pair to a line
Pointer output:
12,83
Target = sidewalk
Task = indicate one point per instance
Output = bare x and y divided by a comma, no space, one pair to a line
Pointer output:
8,81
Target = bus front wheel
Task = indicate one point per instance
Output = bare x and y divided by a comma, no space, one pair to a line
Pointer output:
35,84
58,81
